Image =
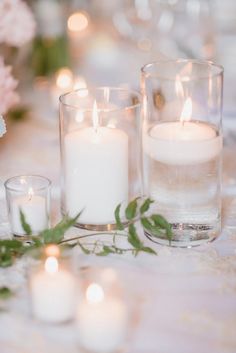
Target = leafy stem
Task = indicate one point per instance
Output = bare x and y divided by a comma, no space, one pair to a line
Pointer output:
5,293
137,211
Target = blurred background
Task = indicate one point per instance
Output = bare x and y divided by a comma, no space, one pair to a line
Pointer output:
76,43
106,42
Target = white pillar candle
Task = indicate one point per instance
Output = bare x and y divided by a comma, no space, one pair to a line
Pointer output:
53,293
101,322
182,142
96,172
34,208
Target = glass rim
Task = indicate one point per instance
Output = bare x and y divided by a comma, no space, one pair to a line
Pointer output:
209,63
43,178
101,88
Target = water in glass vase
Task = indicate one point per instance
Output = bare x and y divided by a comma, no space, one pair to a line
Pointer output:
183,177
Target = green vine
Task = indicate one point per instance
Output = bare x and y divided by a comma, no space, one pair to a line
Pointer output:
135,213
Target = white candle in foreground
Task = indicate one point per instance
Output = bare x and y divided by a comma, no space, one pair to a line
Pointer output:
53,293
101,322
96,172
34,208
182,142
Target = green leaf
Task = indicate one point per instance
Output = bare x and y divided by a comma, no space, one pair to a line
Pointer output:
148,250
146,223
119,224
34,248
133,238
24,224
49,55
11,244
56,234
161,222
6,260
145,206
106,251
36,242
9,249
18,113
152,228
5,293
119,251
65,246
131,209
85,251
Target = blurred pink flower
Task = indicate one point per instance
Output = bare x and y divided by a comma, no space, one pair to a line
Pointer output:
8,96
17,24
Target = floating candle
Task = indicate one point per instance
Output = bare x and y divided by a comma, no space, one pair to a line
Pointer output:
182,142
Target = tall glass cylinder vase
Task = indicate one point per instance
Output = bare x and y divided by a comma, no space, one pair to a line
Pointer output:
100,153
182,144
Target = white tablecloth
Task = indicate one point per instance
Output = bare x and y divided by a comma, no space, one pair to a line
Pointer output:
185,299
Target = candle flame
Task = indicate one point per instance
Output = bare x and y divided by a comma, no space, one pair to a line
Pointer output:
30,193
112,123
187,111
52,250
80,83
179,87
77,22
95,116
22,181
79,116
94,293
64,79
51,265
107,94
186,71
81,86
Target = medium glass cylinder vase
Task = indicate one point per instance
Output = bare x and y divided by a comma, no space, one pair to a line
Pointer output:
99,153
182,144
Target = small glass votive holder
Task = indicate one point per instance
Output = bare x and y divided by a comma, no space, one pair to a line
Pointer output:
53,288
103,318
182,148
100,130
29,194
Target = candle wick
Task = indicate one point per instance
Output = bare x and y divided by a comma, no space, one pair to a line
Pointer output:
30,194
95,117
